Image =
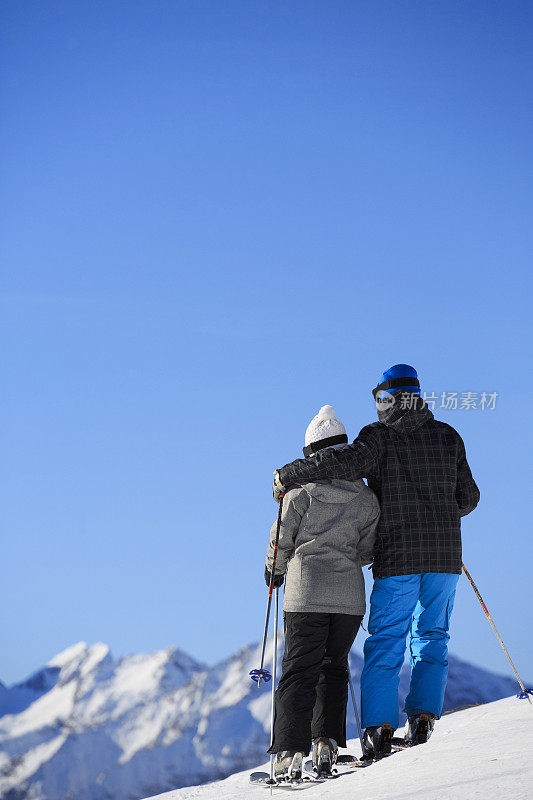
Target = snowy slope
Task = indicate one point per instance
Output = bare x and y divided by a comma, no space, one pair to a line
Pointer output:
482,752
90,727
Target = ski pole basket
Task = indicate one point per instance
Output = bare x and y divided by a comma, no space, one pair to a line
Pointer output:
259,675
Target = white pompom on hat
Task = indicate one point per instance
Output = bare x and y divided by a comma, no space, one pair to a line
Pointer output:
324,426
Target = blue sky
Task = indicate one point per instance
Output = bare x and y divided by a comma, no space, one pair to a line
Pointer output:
216,218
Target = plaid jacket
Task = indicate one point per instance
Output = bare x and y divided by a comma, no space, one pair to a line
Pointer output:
417,467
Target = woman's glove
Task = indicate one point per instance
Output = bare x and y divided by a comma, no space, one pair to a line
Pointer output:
277,487
278,579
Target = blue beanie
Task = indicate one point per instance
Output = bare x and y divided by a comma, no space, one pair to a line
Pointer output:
401,371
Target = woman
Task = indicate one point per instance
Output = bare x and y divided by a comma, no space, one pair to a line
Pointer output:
326,535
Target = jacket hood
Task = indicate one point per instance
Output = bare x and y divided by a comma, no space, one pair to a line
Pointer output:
335,491
407,419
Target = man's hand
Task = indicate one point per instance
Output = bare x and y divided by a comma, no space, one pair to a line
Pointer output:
278,579
277,487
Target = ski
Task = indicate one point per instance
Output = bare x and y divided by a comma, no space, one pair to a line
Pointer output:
399,743
263,779
320,776
347,763
344,765
351,762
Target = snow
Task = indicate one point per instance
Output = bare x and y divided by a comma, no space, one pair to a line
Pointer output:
47,711
482,752
39,755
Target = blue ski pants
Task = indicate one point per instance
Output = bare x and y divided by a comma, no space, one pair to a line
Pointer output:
420,605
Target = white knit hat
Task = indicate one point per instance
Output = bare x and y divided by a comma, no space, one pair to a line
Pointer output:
324,430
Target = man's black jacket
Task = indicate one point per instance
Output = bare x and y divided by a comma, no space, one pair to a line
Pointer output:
417,467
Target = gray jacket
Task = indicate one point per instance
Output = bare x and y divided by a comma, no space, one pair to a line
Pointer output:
327,534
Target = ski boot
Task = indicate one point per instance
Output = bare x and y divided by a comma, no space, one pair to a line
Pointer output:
419,727
377,741
288,766
324,755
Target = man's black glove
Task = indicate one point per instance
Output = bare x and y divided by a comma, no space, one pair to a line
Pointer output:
278,579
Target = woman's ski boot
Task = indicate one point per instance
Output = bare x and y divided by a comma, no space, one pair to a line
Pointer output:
377,741
324,755
288,766
419,727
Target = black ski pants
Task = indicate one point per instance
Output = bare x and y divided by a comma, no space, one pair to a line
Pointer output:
312,692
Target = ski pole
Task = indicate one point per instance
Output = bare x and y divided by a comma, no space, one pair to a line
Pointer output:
274,672
260,674
358,723
525,692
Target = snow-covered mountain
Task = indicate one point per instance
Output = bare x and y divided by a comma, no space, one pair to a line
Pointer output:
91,727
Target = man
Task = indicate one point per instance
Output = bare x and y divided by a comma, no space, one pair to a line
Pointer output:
417,467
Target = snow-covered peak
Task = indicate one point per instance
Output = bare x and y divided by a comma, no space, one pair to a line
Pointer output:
80,658
73,653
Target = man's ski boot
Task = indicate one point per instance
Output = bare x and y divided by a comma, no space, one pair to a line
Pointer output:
324,755
288,766
377,741
419,727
